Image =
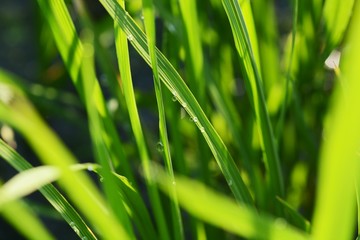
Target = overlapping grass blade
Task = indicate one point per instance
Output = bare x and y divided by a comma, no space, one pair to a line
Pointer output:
336,15
124,65
27,182
149,21
223,212
16,210
57,200
82,72
72,52
256,94
176,85
17,111
339,160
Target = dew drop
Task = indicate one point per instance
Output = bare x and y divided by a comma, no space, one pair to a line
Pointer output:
84,238
174,97
90,168
202,129
184,105
130,37
101,179
159,147
174,183
194,119
73,226
230,182
142,17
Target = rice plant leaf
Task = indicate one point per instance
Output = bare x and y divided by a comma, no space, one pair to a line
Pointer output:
256,93
16,210
73,54
18,112
181,92
223,212
336,15
27,182
339,157
122,51
149,21
295,217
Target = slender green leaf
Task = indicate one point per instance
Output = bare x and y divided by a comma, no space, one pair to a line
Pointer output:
223,212
181,92
256,93
49,191
339,160
124,65
19,210
149,20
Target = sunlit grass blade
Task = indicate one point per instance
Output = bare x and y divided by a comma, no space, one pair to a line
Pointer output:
83,74
99,136
72,52
223,212
149,21
176,85
336,15
16,210
256,94
339,159
18,112
49,191
27,182
124,65
294,217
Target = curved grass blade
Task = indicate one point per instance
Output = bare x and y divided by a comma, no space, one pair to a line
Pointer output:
176,85
336,15
149,21
223,212
49,191
18,112
124,65
256,94
16,210
339,158
82,71
27,182
72,53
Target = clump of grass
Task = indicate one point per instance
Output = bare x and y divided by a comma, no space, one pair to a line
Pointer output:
243,107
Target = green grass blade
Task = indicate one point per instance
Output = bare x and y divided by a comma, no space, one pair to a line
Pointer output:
124,65
98,134
16,210
256,93
16,111
72,52
49,191
194,57
176,85
149,20
223,212
84,77
27,182
339,159
266,26
336,15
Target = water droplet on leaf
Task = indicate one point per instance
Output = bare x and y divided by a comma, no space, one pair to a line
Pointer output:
159,147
